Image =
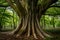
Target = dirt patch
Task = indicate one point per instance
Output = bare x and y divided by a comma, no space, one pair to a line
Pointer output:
13,37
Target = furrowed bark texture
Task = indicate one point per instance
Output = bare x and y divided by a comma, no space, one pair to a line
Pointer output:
30,15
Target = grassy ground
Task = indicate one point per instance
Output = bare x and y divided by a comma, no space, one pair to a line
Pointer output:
55,32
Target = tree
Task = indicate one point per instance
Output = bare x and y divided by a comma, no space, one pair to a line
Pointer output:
30,12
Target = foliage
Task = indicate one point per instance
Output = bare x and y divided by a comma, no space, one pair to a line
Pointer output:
4,3
8,16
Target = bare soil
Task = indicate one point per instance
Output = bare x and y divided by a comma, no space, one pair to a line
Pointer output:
13,37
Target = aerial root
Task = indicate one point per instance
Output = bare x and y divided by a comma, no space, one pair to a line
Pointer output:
33,30
45,34
29,28
17,28
24,25
38,31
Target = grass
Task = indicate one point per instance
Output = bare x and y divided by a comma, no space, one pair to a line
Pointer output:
55,32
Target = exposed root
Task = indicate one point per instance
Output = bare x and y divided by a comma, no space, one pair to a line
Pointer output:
38,31
28,28
17,28
33,29
45,34
24,26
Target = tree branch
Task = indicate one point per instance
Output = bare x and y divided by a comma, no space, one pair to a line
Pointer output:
3,5
45,4
55,6
14,7
20,7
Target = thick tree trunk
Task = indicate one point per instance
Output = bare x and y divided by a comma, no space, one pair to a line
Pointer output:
30,21
30,26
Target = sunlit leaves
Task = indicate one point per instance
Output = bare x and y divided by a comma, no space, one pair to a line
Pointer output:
53,11
4,3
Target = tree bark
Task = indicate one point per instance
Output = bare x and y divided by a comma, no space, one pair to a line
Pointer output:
30,26
30,19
